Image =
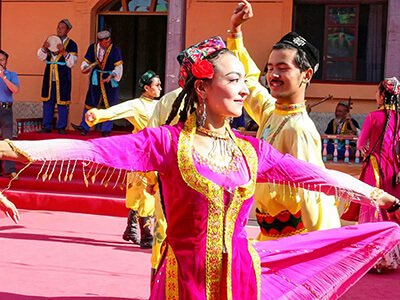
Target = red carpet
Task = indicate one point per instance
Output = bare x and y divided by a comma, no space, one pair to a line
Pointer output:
72,195
58,255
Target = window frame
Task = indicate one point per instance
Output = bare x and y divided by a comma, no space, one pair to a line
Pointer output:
327,3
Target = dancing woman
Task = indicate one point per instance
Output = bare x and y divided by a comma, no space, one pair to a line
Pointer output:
208,175
378,141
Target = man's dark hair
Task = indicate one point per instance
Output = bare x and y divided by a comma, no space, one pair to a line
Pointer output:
4,53
300,59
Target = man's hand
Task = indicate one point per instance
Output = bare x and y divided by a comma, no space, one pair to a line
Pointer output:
90,115
45,46
241,14
61,49
89,68
108,79
2,74
9,208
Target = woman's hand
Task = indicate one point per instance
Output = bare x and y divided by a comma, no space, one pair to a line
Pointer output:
390,203
9,208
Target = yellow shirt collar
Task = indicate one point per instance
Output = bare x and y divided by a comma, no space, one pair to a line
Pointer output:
288,109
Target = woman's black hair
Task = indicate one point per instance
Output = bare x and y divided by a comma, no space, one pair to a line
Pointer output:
390,102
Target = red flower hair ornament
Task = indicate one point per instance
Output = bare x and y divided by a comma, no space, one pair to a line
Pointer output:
203,69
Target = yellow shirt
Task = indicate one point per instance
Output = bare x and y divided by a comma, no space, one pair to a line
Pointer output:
163,108
137,111
289,130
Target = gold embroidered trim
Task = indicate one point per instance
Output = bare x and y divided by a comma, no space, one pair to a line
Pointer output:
257,267
17,150
171,276
118,63
215,195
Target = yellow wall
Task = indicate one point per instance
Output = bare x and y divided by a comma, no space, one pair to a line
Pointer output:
272,19
25,25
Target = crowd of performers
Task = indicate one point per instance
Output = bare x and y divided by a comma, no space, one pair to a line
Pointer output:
202,177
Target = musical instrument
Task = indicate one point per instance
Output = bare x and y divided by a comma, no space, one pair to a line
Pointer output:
319,102
53,41
350,103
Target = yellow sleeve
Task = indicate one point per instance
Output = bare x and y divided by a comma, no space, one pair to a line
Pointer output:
259,103
125,110
163,108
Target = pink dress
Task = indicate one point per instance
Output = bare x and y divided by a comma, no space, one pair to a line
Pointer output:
380,168
207,213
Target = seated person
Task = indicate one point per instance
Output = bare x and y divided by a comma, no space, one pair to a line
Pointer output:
342,124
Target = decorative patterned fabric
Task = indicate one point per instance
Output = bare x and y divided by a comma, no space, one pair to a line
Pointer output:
146,78
392,85
197,52
297,41
282,225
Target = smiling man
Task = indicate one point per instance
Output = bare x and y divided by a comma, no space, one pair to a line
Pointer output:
283,210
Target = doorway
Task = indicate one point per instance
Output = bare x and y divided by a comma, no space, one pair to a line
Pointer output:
142,41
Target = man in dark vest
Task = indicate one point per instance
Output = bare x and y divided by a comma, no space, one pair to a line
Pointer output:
103,61
56,87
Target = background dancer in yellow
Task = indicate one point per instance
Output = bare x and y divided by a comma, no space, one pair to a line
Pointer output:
283,210
138,112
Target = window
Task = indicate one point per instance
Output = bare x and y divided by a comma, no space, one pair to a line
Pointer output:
138,6
351,37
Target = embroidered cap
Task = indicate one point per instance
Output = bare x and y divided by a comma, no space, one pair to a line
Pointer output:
196,53
392,85
146,78
299,42
66,22
105,34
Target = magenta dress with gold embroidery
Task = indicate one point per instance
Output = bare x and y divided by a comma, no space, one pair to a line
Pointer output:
207,213
379,170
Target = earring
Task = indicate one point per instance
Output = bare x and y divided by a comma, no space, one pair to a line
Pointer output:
201,114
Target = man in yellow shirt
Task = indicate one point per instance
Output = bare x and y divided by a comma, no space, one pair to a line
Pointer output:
283,210
138,112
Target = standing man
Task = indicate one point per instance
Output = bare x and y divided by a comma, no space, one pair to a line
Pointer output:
56,87
9,85
138,112
104,63
283,210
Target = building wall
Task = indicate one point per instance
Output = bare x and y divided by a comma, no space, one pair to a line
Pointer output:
26,24
272,19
